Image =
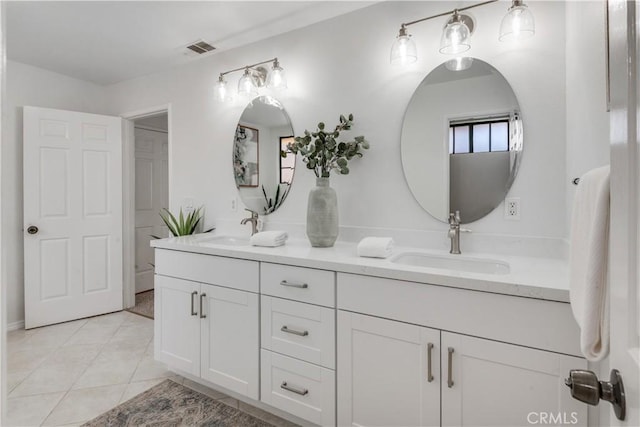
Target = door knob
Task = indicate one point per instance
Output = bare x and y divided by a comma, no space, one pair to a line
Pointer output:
586,388
32,229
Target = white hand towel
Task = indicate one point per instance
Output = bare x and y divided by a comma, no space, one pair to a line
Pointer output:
269,238
588,263
375,247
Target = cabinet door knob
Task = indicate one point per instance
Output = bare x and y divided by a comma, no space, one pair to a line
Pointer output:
294,285
32,229
286,329
450,367
202,297
300,391
193,308
429,373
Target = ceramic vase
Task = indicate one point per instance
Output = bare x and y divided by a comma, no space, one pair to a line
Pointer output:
322,215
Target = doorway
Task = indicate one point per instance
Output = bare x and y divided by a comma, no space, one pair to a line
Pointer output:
151,149
146,193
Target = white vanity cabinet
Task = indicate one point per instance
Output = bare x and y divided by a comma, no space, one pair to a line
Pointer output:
298,341
208,331
343,348
391,372
497,384
388,372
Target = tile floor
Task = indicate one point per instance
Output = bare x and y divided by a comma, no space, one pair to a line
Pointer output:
69,373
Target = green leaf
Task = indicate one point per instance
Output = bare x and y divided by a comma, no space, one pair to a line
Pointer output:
321,126
350,117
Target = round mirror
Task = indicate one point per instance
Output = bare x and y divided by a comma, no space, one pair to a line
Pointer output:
262,166
462,140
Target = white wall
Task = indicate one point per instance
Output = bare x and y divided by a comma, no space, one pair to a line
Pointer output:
342,66
587,117
27,85
337,67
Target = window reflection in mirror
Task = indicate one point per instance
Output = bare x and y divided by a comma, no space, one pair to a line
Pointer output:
262,174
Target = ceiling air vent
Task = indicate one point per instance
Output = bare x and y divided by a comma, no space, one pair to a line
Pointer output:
200,47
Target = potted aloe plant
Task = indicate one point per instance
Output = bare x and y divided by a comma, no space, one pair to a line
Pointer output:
183,225
323,153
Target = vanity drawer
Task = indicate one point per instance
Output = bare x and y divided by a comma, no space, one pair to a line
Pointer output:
299,330
227,272
298,283
300,388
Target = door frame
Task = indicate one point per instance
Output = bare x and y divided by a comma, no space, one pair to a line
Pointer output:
129,194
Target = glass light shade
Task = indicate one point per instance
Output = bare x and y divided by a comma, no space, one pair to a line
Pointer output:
277,78
222,91
246,85
455,37
459,64
517,24
403,51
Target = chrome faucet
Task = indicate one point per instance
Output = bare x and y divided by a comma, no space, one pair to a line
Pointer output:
253,219
454,232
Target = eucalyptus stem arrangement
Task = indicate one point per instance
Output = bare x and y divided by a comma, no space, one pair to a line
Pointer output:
321,151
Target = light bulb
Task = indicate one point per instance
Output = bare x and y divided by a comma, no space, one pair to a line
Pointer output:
455,36
518,23
403,51
246,85
277,79
221,91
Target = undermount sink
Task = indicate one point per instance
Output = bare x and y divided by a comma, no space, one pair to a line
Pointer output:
227,240
453,262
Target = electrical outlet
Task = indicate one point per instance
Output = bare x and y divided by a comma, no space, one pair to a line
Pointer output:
512,208
234,204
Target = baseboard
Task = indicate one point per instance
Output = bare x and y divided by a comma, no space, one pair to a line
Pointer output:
14,326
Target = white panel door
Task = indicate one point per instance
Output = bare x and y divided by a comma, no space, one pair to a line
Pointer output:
383,372
624,253
72,215
497,384
151,194
177,324
230,339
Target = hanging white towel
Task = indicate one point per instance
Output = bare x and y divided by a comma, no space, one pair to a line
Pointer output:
375,247
588,262
269,238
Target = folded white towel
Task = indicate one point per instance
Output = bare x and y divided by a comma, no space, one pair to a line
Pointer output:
375,247
588,263
269,238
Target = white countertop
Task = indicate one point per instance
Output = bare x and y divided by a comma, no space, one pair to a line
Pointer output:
531,277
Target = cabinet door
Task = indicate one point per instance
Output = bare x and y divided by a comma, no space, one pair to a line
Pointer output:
383,369
498,384
177,325
230,339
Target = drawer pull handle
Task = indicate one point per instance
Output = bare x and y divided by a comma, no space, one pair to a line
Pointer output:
429,373
294,332
301,392
294,285
450,367
202,297
193,310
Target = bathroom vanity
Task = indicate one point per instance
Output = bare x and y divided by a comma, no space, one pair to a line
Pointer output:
332,338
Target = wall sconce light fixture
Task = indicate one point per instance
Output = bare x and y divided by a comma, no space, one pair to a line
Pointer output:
517,24
255,76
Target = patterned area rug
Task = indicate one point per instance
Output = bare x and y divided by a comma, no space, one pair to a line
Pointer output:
172,404
144,304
